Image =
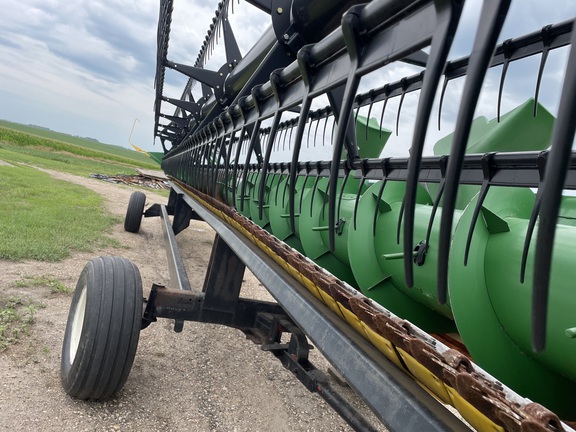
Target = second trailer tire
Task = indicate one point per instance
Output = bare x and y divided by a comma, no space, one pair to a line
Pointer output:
103,328
135,212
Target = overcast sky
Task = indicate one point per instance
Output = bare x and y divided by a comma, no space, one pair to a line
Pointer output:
86,67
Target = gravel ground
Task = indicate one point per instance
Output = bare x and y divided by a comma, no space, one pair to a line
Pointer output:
207,378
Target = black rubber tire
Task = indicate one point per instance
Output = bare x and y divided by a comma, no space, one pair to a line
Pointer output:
103,329
135,212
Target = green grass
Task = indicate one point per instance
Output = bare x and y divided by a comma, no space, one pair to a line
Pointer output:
22,139
54,284
79,142
62,162
16,315
46,219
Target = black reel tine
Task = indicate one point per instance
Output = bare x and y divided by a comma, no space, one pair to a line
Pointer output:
507,50
265,165
435,206
264,140
351,28
369,111
277,190
253,138
542,158
213,152
386,92
307,165
274,176
304,66
441,103
214,177
193,156
325,195
286,136
205,156
227,164
400,104
332,126
363,167
346,176
308,134
203,151
557,166
279,137
487,171
442,162
235,167
252,180
197,163
400,217
324,131
316,131
489,26
295,158
292,127
314,187
384,165
546,40
286,185
448,16
207,159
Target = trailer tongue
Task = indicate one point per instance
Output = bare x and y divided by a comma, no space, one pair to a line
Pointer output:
441,277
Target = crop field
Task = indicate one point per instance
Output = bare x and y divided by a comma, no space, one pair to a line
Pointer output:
86,143
21,147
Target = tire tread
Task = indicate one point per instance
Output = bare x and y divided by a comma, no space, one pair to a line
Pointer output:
111,329
134,212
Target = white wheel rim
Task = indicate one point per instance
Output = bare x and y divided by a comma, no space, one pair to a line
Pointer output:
77,325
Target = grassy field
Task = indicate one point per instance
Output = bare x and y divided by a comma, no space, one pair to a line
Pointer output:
46,219
21,147
26,142
78,142
59,161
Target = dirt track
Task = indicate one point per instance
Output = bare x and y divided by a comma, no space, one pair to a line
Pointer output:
207,378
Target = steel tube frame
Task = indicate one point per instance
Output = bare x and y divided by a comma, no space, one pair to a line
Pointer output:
178,274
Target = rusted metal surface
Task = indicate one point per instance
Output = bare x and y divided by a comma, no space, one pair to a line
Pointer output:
176,304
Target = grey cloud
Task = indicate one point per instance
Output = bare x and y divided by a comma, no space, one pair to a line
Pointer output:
97,37
7,42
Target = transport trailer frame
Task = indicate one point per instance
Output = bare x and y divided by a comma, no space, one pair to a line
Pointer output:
395,398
